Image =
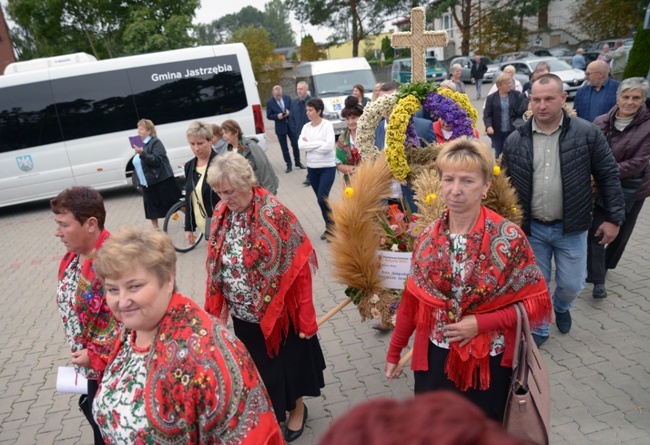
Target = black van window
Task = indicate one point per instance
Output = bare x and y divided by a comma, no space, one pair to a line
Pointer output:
94,104
27,117
188,90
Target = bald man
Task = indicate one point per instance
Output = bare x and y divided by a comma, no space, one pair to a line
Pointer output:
598,95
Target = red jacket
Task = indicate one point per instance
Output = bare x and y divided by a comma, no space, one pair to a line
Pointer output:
440,137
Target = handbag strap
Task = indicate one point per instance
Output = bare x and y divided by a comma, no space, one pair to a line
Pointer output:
523,351
515,358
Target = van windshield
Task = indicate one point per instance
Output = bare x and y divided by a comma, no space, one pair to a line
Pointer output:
432,63
342,82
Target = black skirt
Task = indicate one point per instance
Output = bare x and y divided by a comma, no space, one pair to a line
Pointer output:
295,372
492,400
160,197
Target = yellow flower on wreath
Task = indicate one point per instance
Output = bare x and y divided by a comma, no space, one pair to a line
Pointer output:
348,192
396,135
462,100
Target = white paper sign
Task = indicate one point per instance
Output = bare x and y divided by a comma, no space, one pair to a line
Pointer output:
68,381
394,268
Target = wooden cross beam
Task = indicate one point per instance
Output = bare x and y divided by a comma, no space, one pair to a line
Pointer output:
418,40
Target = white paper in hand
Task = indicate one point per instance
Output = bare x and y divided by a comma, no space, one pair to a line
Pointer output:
68,381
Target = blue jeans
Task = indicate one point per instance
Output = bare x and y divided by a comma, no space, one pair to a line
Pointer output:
321,180
570,252
479,85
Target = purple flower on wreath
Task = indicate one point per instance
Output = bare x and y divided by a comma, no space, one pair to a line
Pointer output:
453,114
412,138
393,307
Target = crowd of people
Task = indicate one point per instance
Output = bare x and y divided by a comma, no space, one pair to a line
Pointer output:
161,367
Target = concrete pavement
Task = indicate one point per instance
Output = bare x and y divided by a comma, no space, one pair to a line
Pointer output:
599,372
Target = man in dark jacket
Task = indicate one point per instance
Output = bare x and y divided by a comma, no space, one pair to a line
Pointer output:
478,70
550,162
298,116
278,109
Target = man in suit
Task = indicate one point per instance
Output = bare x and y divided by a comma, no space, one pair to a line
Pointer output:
298,117
278,109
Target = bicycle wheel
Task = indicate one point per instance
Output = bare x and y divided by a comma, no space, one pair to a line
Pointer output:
174,226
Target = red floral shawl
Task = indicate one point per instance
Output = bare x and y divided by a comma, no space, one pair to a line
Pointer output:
100,329
500,271
202,385
276,249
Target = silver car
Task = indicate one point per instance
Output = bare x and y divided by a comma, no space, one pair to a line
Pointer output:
466,63
572,78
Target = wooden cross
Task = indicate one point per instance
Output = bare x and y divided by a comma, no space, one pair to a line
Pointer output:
418,40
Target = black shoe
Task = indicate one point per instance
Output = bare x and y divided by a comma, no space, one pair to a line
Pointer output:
539,339
290,435
324,235
306,183
288,170
599,291
299,165
563,321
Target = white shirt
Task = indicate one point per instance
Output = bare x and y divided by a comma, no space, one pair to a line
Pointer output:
319,144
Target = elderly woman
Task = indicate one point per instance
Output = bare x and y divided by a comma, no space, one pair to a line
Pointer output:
469,267
358,92
177,376
200,197
347,154
248,148
516,85
456,72
317,139
503,111
89,326
627,128
260,265
154,174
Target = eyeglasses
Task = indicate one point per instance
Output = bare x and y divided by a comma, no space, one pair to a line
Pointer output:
587,73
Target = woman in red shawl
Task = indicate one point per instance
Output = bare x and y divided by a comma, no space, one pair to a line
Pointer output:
469,267
177,375
259,264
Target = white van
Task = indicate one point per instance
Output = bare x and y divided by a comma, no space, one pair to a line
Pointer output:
333,80
69,124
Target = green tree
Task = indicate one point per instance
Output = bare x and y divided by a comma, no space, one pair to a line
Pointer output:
638,62
386,48
349,19
278,23
267,66
104,28
222,29
309,50
607,19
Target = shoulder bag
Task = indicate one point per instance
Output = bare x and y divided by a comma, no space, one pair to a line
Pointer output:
528,407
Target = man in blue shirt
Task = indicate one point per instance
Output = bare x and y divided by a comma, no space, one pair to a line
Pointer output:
578,61
598,96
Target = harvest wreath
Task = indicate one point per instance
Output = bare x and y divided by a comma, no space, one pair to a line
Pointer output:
365,225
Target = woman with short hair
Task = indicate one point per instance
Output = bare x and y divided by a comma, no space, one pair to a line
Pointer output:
469,268
347,154
503,111
177,376
317,140
627,128
456,71
260,265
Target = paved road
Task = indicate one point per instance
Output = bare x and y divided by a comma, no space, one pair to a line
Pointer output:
599,372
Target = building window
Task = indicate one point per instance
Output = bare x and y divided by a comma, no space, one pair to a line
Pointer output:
448,24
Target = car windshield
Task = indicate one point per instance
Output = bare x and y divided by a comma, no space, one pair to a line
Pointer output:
342,82
559,52
432,63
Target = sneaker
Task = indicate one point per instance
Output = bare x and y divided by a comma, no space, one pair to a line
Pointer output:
539,339
563,321
599,291
306,182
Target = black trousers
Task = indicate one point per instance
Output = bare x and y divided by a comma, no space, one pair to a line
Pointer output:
86,406
599,257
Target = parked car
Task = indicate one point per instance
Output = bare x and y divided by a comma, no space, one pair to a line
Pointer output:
598,46
401,70
590,56
561,53
516,55
572,78
466,63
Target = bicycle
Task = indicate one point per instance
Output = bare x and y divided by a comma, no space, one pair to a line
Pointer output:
174,226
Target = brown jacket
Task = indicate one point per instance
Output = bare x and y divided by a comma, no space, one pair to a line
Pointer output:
631,147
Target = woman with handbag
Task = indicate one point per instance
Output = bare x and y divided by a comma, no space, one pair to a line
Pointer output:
199,196
627,128
469,268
